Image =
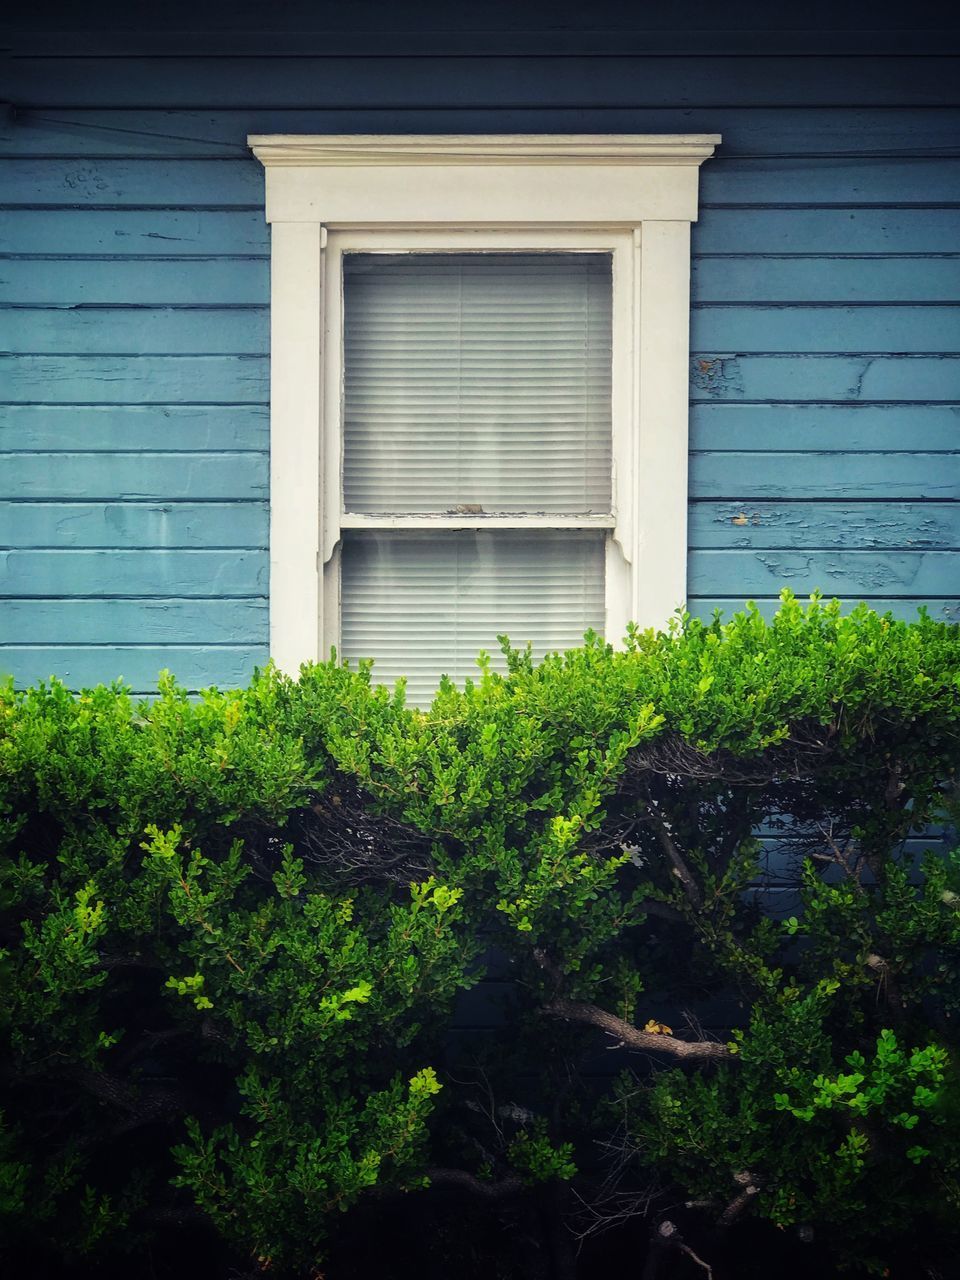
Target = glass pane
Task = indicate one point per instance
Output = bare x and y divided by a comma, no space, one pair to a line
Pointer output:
477,381
423,604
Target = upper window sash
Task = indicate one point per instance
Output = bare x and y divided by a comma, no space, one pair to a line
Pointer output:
477,382
620,248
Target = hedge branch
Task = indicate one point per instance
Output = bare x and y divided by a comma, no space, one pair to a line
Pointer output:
670,848
740,1202
461,1180
633,1037
667,1237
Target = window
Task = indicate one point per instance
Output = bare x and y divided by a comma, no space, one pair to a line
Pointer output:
476,428
479,392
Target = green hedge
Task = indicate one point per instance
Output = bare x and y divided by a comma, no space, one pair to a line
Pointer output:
237,930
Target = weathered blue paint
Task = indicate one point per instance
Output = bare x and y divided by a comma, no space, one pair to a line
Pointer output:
104,282
71,379
108,233
755,130
173,524
134,295
154,572
859,526
942,608
137,476
772,378
117,621
830,181
180,428
851,573
828,231
234,183
135,330
195,665
792,476
842,428
458,82
802,330
766,278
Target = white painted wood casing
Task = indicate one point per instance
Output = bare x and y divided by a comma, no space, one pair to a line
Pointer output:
632,195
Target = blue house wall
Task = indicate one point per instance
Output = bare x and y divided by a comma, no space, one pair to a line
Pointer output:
134,291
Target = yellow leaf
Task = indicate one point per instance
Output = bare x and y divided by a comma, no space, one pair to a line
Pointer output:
658,1028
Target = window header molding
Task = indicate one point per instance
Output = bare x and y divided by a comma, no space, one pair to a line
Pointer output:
516,148
489,180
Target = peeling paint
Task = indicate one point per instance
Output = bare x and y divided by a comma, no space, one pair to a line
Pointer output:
786,569
87,180
880,574
718,376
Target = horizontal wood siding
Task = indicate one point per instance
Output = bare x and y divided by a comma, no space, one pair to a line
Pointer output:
825,382
457,81
135,417
134,290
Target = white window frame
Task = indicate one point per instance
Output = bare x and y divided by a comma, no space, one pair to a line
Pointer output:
633,196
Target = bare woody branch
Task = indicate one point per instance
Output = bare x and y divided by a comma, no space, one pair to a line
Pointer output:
670,848
626,1033
461,1180
741,1202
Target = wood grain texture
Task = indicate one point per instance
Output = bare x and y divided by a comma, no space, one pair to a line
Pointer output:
112,621
826,231
561,29
159,573
493,17
195,666
771,378
891,476
127,281
760,279
64,379
806,330
169,524
65,232
913,574
136,476
830,181
716,425
459,82
818,525
237,182
134,133
131,427
942,609
135,330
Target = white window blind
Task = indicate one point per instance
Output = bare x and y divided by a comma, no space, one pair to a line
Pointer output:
424,604
477,380
475,384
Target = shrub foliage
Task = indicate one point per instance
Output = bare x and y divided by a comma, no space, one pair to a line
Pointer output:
246,936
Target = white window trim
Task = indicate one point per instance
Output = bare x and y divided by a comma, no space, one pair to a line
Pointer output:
635,195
